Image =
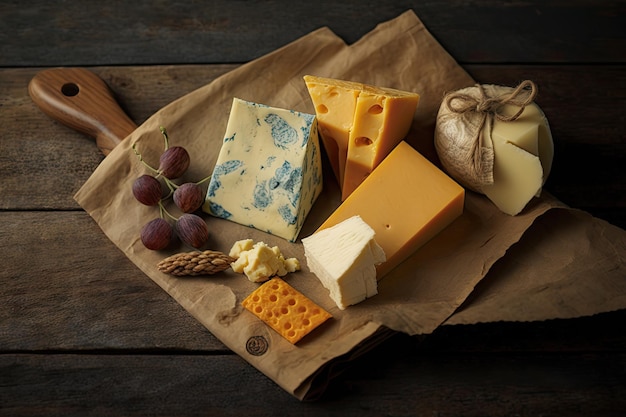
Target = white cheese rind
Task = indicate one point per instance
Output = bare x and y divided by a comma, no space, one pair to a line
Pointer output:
344,258
269,170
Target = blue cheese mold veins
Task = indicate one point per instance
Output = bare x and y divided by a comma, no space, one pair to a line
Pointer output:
268,173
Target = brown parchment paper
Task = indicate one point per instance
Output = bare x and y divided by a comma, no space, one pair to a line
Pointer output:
422,293
568,264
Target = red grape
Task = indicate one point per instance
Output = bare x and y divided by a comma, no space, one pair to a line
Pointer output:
192,229
174,162
156,234
147,190
188,197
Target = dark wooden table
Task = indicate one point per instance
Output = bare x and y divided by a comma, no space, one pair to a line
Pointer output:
84,332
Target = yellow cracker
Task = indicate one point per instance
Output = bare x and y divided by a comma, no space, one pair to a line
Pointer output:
285,309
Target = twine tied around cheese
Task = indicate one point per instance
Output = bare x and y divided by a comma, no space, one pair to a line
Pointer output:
492,105
470,158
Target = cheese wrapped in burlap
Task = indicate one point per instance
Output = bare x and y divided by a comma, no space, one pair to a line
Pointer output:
496,141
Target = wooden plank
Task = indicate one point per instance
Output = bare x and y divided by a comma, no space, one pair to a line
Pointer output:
596,333
121,33
587,135
387,384
35,140
65,286
84,332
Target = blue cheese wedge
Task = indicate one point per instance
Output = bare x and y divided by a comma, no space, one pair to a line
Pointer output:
344,258
268,173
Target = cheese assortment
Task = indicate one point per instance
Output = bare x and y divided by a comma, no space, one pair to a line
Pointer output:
406,200
359,125
344,258
268,173
286,310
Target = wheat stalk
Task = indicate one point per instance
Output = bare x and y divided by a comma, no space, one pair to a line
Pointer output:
194,263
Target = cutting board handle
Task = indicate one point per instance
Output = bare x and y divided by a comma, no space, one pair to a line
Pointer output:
80,99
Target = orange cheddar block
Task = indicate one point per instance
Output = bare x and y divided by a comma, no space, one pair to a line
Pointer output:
359,125
285,309
406,200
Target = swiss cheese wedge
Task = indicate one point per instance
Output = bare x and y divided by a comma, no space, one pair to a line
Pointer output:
359,125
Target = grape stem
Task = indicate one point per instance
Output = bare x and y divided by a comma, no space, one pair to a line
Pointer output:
203,180
165,137
147,165
170,184
163,212
167,145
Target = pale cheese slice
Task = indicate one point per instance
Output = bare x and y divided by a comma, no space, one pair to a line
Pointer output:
523,152
344,258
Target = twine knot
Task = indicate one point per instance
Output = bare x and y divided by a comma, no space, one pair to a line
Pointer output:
477,161
521,96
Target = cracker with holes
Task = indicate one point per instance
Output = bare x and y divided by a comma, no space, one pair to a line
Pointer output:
285,309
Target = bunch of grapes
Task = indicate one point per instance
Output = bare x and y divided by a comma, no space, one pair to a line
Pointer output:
188,197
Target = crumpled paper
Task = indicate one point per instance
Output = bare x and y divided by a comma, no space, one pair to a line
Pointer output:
548,262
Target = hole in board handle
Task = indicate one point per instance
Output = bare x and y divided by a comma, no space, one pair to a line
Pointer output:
70,89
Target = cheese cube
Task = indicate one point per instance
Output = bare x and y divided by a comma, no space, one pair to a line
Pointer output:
344,258
359,125
268,173
285,309
406,200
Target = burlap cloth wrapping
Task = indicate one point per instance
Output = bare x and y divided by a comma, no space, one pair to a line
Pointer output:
548,262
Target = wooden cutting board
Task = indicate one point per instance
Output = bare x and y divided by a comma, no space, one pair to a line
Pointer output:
80,99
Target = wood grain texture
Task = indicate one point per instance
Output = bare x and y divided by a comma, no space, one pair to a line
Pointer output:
180,32
65,286
84,332
587,135
81,100
409,384
44,162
